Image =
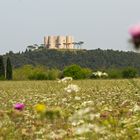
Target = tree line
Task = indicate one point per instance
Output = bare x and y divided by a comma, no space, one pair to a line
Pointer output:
5,70
29,72
94,59
40,72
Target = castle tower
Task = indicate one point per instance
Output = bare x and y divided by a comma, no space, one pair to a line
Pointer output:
51,42
61,40
46,41
69,42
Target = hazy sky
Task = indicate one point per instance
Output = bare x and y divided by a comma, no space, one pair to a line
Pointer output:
99,23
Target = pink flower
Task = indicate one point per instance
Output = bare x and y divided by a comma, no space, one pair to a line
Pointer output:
19,106
135,31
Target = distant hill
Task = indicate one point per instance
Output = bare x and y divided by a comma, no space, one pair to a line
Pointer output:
94,59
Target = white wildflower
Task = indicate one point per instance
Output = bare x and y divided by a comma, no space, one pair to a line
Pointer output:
87,103
93,116
136,108
77,98
85,128
137,129
83,114
72,88
65,80
98,129
64,99
79,122
59,134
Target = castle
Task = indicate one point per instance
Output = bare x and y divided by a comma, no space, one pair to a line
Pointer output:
59,42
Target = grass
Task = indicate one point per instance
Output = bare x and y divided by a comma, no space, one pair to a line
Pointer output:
102,110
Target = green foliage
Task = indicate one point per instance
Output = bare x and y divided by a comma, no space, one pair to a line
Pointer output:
86,73
2,78
129,72
77,72
23,72
53,113
36,73
73,71
9,72
54,74
37,76
94,59
114,73
30,72
2,69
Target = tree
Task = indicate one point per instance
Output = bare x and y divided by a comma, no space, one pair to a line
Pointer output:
80,43
31,47
2,68
9,73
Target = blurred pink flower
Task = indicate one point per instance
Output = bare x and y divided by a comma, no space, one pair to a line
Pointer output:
135,31
19,106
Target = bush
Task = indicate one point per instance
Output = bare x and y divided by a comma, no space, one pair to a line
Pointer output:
2,78
76,72
114,73
129,72
54,74
86,73
28,72
48,75
22,73
38,76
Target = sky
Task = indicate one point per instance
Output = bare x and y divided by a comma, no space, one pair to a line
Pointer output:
99,23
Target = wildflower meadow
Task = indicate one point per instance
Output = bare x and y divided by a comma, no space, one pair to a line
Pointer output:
73,110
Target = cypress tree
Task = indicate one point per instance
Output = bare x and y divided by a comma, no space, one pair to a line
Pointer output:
9,72
2,68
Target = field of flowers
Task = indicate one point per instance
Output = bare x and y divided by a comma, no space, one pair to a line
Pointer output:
75,110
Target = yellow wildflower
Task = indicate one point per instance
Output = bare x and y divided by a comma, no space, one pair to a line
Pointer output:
40,108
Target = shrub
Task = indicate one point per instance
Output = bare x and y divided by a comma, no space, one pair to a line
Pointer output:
30,72
23,73
86,72
76,72
38,76
2,78
54,74
129,72
114,73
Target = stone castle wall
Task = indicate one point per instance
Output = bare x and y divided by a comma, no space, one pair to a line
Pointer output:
59,42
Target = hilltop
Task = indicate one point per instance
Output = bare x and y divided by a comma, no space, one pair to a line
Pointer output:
94,59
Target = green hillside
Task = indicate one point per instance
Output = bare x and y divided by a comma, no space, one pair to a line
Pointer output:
95,59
